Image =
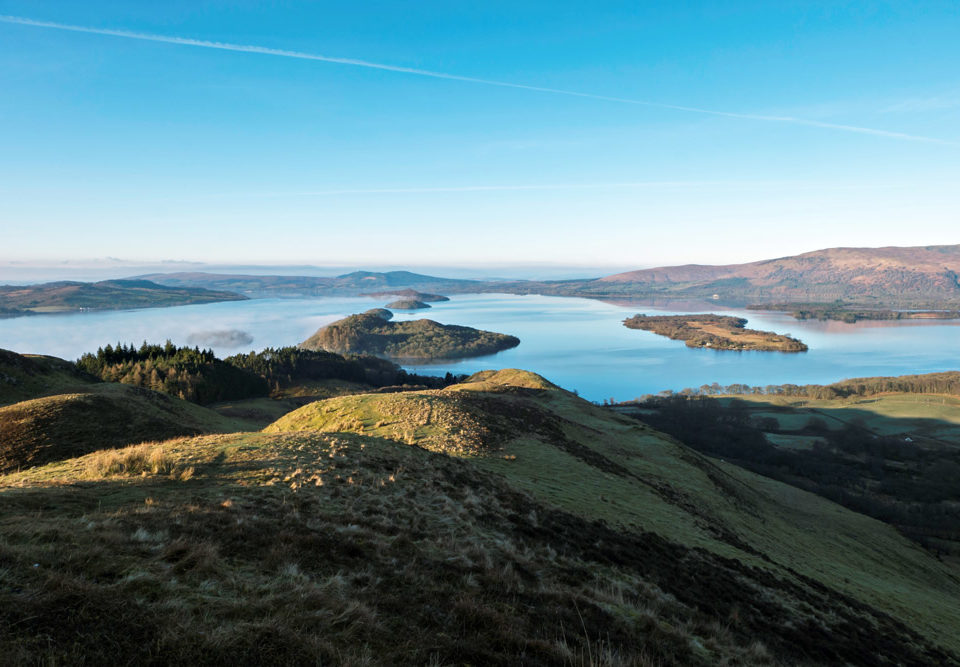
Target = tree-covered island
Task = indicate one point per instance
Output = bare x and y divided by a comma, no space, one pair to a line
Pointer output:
718,332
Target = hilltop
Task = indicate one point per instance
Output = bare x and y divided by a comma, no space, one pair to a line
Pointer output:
66,296
600,466
62,426
373,333
26,376
499,521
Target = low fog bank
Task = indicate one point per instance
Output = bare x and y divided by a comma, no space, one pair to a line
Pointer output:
224,338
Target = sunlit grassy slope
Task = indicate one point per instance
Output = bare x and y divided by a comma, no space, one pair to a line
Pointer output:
26,376
104,415
326,548
500,521
598,465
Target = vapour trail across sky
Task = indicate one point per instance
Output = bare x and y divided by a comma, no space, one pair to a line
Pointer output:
636,185
263,50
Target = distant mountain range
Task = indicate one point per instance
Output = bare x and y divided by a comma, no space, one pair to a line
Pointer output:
919,276
347,284
891,277
891,274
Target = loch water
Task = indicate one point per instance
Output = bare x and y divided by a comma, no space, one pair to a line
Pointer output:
580,344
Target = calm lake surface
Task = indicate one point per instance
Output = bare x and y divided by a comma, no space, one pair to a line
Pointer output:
579,344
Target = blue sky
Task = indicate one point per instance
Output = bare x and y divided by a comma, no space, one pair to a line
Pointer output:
775,128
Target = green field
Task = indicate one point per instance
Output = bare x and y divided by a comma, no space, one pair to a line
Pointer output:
919,416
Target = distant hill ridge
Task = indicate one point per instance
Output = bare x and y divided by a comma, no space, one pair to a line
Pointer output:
921,273
353,283
894,277
66,296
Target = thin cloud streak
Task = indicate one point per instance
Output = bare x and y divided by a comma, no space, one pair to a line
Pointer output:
263,50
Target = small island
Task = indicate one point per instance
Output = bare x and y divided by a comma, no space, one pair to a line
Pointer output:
408,304
718,332
410,294
372,333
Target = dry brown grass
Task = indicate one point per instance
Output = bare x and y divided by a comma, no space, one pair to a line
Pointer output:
144,459
347,549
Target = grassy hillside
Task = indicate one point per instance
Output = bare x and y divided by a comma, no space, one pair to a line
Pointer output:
541,529
354,549
53,428
372,333
600,466
105,295
25,376
894,456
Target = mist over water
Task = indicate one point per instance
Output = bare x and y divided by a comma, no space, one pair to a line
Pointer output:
579,344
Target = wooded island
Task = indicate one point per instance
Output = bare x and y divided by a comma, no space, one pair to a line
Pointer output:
718,332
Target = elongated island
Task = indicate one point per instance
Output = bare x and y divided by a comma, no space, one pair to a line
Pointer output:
718,332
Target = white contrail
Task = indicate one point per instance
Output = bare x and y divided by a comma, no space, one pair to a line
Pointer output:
618,185
499,188
264,50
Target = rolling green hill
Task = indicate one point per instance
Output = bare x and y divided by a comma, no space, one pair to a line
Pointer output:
25,376
499,521
601,466
104,415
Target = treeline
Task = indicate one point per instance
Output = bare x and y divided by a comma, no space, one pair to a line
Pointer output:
947,383
842,313
199,376
189,373
889,478
286,366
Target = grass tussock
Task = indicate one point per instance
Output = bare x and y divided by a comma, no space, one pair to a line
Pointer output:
144,459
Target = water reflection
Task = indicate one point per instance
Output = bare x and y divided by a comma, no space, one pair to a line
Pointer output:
578,343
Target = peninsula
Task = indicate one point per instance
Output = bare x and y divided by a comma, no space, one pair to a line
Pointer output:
718,332
374,334
67,296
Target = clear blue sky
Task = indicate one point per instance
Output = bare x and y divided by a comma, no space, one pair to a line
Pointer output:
842,130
